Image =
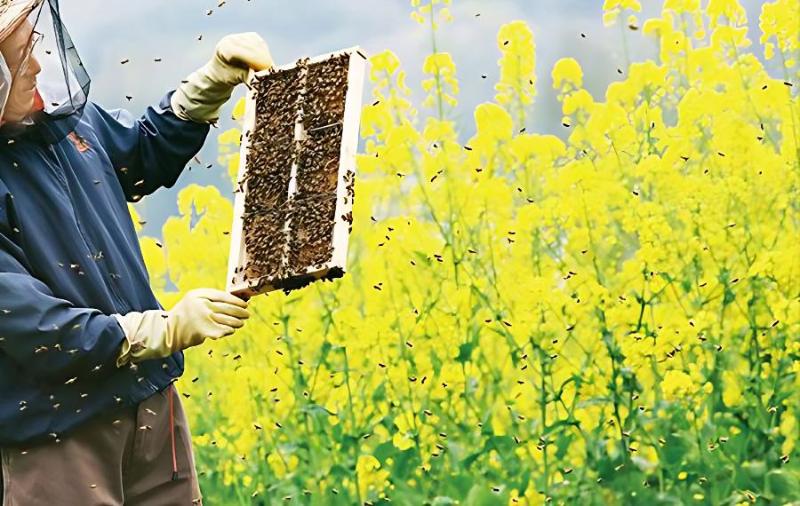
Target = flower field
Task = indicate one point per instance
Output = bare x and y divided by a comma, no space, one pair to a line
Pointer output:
608,316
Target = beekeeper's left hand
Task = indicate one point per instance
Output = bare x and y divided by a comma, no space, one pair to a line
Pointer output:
206,90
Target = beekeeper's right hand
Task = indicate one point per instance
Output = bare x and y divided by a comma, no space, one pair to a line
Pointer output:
202,313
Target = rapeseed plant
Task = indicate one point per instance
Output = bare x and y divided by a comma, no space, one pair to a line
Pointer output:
603,317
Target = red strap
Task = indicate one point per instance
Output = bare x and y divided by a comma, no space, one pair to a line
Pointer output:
172,434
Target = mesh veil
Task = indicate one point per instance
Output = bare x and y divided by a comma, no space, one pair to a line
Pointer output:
62,84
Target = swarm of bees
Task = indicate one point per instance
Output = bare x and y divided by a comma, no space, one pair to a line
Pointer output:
294,187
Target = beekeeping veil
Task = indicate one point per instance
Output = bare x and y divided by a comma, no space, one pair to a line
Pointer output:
62,86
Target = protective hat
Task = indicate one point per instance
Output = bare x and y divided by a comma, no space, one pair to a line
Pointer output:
12,12
62,85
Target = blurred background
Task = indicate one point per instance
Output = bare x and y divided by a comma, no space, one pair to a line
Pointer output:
183,33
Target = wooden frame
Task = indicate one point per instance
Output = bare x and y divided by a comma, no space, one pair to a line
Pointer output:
336,267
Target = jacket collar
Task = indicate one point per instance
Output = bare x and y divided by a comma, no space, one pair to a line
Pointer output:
44,130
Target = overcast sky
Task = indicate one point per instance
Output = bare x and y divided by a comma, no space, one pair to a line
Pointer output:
108,31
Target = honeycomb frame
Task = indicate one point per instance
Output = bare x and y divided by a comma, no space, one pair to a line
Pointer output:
247,275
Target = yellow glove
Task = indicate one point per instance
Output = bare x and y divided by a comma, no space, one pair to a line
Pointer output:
202,313
202,94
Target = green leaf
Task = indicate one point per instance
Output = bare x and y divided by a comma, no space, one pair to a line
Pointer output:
782,484
465,352
458,485
383,451
404,463
751,476
379,393
676,449
470,459
503,444
481,495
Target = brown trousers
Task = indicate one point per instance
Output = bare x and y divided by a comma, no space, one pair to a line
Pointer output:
121,458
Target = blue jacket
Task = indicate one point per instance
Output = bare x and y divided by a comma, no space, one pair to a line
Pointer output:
70,258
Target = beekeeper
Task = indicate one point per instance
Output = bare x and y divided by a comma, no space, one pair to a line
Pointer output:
87,352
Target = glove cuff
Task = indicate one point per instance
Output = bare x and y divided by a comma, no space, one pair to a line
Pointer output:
133,342
145,336
200,97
